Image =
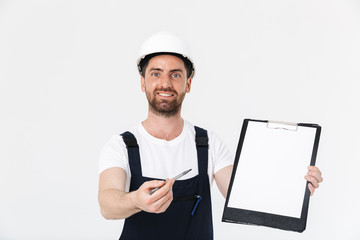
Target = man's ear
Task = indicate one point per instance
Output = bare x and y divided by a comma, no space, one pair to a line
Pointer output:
142,84
188,85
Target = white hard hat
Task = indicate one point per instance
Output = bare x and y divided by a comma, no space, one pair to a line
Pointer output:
165,42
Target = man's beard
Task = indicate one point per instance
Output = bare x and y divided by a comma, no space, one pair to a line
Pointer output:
163,107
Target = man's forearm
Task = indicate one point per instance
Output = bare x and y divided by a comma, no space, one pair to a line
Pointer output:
222,178
115,204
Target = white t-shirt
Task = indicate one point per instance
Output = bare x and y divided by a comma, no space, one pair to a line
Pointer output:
165,159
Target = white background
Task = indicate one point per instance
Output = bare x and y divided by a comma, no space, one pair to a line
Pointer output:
68,82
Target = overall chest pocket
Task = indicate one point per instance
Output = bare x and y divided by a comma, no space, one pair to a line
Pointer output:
195,199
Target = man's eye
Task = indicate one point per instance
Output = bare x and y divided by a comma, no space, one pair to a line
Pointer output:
176,75
155,74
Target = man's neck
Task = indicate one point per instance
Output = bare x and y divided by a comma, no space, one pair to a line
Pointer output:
166,128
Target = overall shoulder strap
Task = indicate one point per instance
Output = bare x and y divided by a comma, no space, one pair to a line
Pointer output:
202,146
133,153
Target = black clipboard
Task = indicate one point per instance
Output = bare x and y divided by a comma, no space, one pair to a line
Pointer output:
257,202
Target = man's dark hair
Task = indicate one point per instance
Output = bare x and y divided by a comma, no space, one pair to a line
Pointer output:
187,63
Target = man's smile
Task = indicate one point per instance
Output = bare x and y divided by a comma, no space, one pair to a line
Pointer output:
166,94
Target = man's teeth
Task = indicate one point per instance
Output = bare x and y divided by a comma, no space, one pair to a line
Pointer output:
165,94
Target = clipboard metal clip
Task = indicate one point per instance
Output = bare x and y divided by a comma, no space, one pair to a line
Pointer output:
282,125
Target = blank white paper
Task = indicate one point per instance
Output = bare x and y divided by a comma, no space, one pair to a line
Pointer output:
271,168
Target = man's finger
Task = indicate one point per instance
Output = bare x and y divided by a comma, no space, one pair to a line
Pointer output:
312,180
315,172
164,202
153,184
163,190
311,188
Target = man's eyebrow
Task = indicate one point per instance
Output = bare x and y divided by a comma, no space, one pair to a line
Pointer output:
156,69
176,70
161,70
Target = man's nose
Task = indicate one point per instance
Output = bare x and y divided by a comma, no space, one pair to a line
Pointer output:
165,81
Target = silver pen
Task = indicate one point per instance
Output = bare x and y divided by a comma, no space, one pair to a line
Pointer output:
175,178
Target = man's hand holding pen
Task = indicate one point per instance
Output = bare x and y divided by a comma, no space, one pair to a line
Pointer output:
157,202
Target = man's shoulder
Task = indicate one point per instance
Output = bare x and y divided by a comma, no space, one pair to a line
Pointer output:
132,130
192,126
135,130
210,133
114,143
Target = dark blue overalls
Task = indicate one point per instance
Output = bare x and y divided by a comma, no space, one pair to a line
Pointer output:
189,216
